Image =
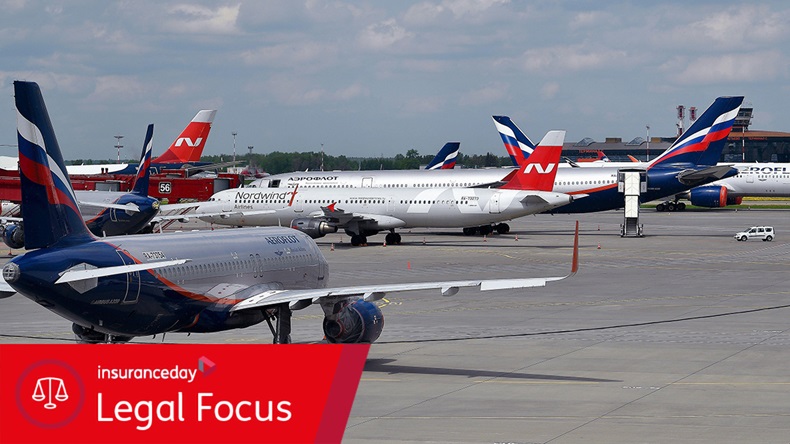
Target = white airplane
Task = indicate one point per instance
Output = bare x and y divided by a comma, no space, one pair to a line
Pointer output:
365,211
752,180
689,162
193,282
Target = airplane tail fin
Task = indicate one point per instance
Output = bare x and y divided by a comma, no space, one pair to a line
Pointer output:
50,212
188,146
539,171
704,141
517,144
445,160
143,170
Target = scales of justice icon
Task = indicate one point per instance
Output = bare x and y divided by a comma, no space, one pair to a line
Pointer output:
40,393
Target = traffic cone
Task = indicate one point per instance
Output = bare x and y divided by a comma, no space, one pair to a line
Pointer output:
485,238
408,265
423,241
332,248
599,245
385,243
517,237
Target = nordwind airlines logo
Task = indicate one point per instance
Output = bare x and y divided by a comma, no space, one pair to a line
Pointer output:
189,142
540,169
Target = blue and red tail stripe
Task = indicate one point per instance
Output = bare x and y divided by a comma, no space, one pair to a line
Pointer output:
50,213
517,144
696,146
445,159
142,179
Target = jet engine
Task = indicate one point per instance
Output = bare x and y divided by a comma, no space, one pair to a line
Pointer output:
712,197
313,227
354,322
13,236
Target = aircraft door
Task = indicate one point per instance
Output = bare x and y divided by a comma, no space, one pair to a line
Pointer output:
367,182
132,280
390,205
493,205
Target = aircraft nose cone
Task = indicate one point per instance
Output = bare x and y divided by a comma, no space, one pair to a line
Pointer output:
11,272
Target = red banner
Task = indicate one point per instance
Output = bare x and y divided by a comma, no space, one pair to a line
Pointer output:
177,393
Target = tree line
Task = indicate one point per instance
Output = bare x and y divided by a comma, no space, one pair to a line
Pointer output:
278,162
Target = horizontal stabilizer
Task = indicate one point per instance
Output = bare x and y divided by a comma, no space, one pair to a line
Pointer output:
80,275
695,177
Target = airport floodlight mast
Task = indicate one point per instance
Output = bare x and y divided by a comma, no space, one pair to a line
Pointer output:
249,147
322,157
234,147
118,146
648,143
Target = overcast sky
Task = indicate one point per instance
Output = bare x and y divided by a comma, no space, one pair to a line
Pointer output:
379,78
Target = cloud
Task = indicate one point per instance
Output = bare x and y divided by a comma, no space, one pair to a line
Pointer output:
382,35
728,68
109,89
488,94
301,55
422,105
558,59
430,12
202,20
297,92
549,90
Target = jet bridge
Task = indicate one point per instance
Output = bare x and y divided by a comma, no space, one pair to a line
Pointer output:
632,183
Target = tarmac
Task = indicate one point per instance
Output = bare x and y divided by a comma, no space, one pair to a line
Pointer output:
679,336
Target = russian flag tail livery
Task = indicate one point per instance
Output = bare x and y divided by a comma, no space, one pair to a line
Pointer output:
49,207
188,146
143,170
539,171
517,144
445,160
703,142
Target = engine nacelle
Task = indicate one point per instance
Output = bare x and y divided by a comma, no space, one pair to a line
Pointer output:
14,236
313,227
712,197
354,322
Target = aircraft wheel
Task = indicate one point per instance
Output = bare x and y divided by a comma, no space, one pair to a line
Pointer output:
661,207
397,239
486,229
357,240
503,228
670,206
392,239
681,206
470,231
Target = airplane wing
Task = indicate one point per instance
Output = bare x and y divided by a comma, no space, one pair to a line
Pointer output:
299,298
128,207
342,218
5,289
184,211
694,177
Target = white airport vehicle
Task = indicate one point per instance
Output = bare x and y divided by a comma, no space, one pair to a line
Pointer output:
763,233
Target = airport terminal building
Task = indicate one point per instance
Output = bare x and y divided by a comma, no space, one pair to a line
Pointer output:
743,145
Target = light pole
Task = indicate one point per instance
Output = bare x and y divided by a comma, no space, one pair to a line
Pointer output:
322,157
249,147
119,146
648,142
234,148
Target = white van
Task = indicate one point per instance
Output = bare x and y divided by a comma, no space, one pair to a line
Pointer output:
763,233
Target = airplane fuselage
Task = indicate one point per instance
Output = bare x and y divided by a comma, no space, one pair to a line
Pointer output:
192,297
382,208
758,180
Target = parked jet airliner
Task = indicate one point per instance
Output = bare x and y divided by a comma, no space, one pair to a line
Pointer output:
362,212
116,288
683,166
106,213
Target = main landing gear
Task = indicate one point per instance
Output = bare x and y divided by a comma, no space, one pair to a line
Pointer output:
500,228
281,329
671,206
